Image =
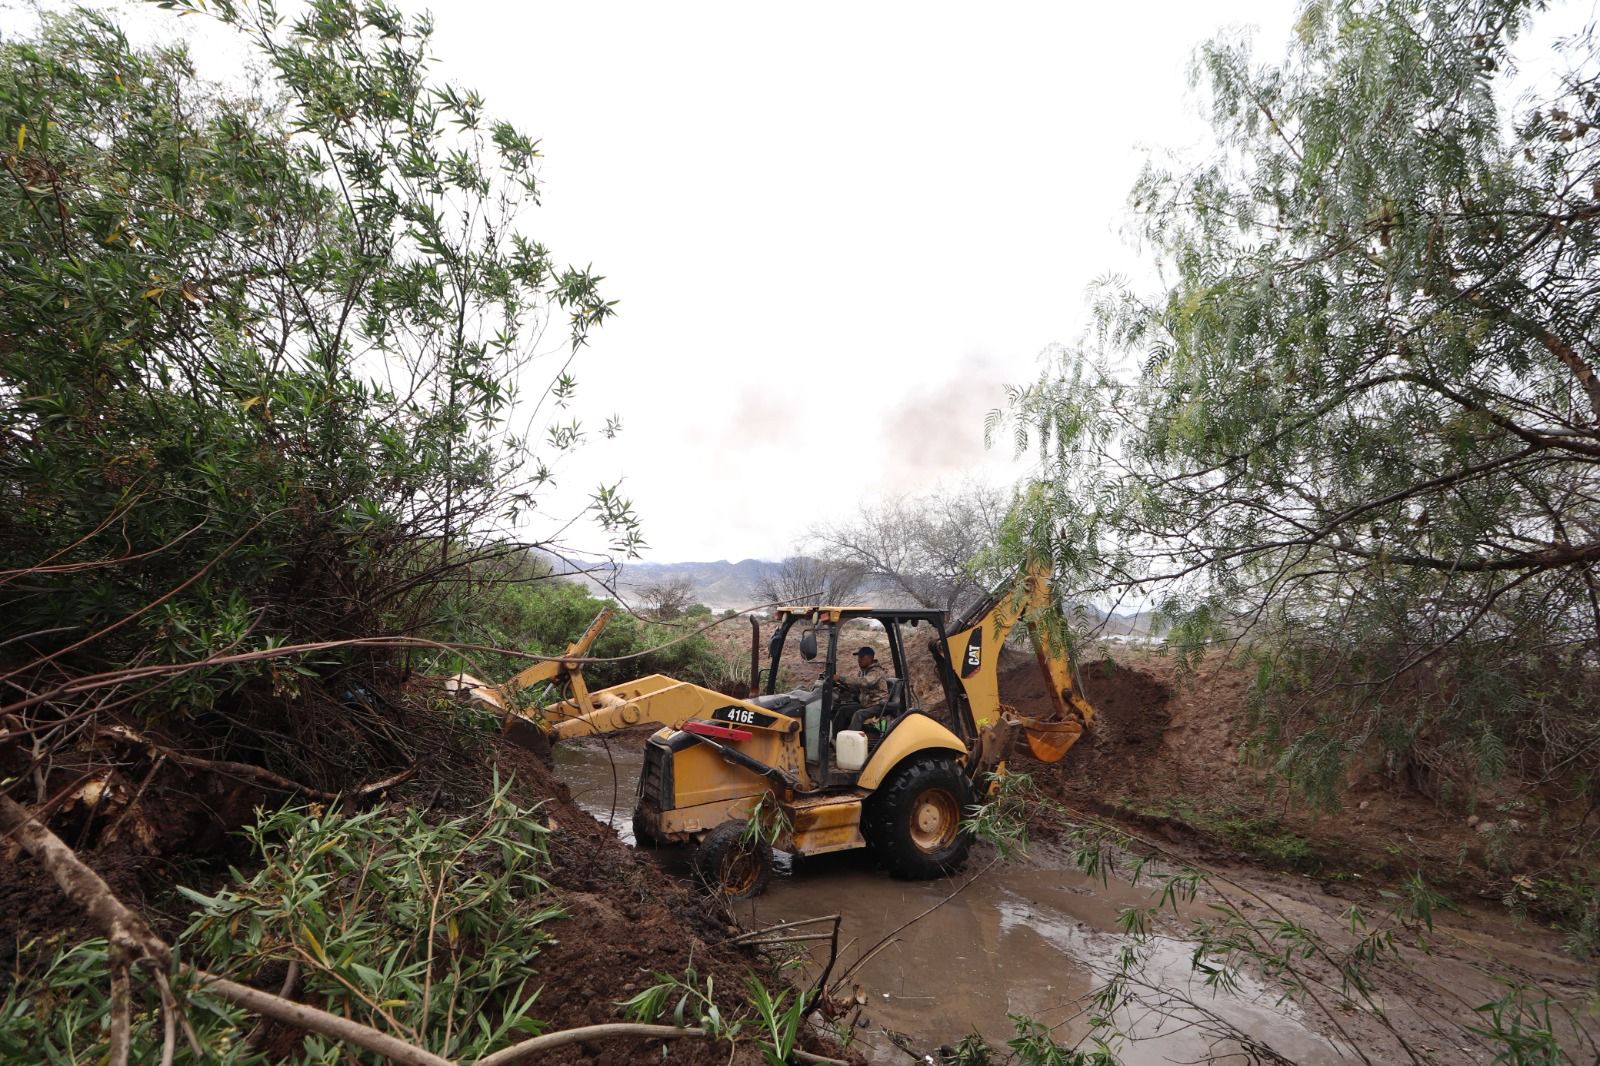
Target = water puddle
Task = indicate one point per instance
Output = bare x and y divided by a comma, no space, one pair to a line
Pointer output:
1032,938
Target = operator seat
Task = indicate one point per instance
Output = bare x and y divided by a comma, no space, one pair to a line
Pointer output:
894,700
890,711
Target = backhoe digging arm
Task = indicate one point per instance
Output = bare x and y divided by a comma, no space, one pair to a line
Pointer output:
974,645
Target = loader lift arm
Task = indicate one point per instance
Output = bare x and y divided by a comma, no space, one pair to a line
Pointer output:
653,700
567,670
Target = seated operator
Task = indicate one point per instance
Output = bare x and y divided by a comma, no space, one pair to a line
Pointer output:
869,687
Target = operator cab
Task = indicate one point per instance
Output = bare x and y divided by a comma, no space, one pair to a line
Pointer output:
824,708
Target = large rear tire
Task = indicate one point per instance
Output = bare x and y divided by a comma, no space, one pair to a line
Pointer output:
913,821
730,864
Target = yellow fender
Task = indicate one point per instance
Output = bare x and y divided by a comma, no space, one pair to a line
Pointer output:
917,732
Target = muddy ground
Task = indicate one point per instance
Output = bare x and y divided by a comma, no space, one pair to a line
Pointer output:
1163,764
1036,935
623,920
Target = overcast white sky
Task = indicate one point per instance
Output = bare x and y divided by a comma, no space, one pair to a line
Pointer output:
836,230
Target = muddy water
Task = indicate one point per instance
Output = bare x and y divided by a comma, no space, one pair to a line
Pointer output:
1030,938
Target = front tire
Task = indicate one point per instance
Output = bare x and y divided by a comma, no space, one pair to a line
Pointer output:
913,821
731,865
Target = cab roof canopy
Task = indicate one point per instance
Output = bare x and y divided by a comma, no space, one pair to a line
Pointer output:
826,613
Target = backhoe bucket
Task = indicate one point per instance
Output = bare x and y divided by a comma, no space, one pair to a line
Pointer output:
1049,741
525,734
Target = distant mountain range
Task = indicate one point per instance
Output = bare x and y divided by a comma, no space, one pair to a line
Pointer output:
721,585
718,585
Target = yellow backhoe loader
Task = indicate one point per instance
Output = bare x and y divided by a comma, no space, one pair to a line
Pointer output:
901,789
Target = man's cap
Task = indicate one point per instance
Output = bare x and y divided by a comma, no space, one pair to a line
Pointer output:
867,651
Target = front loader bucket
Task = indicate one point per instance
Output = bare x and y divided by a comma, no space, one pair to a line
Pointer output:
1049,741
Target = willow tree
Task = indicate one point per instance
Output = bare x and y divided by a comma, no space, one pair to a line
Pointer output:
1358,422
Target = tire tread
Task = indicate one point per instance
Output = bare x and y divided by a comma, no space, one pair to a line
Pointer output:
885,822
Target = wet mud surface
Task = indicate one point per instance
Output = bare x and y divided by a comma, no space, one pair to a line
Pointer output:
1031,938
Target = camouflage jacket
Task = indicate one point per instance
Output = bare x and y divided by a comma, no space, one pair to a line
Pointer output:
871,685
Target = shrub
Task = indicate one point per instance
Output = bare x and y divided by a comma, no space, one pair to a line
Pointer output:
259,358
399,923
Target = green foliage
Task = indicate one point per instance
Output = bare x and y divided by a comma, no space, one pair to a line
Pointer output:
768,823
516,603
426,929
972,1051
262,351
1033,1046
1522,1027
774,1021
1361,419
1003,821
431,928
1574,902
59,1016
780,1024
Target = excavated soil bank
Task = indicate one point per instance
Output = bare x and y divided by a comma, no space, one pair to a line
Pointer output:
1164,759
624,922
1132,716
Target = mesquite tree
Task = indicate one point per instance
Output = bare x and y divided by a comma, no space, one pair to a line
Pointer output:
1360,420
806,579
927,551
276,365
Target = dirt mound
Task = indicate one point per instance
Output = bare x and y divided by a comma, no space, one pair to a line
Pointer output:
624,920
1131,706
1132,715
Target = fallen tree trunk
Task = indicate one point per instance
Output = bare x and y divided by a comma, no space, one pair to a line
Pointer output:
317,1020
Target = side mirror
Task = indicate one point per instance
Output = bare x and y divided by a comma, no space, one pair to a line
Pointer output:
808,645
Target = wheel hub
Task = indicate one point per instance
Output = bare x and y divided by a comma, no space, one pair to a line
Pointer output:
935,819
740,869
